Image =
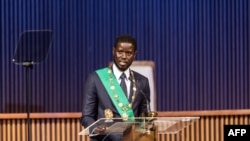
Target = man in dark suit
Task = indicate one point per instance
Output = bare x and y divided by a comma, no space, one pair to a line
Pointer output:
106,91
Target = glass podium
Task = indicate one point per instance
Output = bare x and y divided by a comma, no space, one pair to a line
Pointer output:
139,128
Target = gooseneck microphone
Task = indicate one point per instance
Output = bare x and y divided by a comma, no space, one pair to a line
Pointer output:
149,113
147,101
149,125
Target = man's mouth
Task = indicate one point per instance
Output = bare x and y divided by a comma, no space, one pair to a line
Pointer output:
122,63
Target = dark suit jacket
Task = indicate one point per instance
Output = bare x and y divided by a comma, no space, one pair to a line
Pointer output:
96,99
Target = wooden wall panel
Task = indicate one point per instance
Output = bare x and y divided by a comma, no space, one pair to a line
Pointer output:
41,130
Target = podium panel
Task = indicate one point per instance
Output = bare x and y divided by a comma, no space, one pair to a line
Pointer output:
139,128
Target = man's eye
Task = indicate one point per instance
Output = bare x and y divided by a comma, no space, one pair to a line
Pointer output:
129,53
126,53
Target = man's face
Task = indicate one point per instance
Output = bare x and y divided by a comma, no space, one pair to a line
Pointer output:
124,54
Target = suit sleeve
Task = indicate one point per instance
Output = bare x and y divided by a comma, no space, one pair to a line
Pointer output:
90,101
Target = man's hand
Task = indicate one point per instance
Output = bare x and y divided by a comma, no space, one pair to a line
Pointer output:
100,129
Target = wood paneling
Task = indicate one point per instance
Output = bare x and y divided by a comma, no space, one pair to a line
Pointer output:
41,130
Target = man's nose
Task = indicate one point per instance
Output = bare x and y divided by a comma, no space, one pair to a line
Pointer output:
124,55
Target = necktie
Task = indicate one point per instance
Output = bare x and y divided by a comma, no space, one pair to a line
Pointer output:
123,84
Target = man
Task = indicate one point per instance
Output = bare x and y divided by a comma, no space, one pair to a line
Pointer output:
106,91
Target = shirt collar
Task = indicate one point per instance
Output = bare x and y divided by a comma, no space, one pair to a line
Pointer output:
118,73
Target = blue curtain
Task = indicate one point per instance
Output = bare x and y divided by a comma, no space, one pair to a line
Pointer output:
200,49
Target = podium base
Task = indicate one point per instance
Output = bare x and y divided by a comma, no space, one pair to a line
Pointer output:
133,134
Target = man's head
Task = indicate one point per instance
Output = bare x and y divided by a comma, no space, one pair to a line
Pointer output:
124,51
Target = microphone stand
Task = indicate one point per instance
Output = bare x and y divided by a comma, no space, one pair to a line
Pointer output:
149,125
28,65
149,112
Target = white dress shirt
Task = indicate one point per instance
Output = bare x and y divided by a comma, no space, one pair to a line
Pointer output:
118,73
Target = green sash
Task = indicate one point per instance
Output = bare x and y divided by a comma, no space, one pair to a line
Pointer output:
114,89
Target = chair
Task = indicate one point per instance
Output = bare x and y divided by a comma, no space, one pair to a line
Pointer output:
147,68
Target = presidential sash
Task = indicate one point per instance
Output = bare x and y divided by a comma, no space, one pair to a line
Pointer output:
115,93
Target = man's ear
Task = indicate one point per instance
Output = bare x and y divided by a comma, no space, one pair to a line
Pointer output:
113,51
135,54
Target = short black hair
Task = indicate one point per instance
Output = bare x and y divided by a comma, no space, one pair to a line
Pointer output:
126,38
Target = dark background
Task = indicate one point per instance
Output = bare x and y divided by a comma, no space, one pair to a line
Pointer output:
200,49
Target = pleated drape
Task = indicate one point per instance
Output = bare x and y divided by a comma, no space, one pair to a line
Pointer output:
200,49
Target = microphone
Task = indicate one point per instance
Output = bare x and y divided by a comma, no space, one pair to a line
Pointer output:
147,101
144,95
149,125
149,113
